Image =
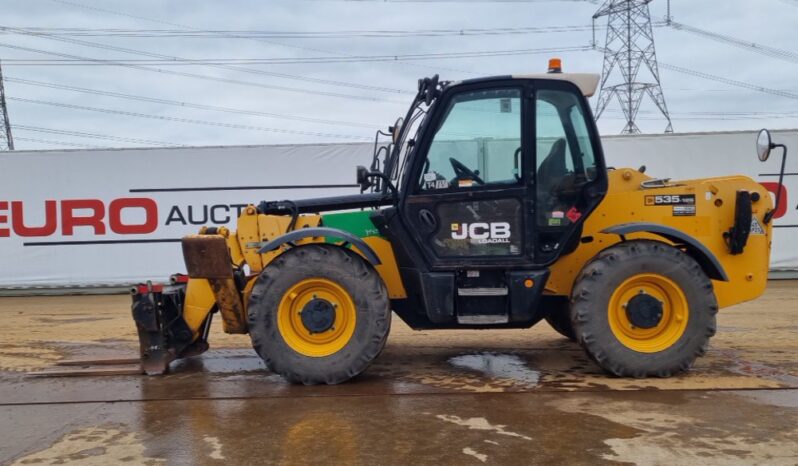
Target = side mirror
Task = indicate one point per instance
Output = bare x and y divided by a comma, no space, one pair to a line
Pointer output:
764,144
362,177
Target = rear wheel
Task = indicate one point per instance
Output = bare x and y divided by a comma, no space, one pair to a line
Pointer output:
319,314
643,308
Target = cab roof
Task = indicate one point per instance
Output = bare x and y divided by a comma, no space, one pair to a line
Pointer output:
586,82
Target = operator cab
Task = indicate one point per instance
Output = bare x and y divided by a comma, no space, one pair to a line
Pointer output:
494,186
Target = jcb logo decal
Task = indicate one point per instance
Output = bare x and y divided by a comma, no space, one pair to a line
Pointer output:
483,233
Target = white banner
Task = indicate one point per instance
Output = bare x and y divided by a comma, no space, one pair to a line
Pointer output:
112,217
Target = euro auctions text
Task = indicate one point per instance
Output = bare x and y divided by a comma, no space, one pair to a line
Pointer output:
122,216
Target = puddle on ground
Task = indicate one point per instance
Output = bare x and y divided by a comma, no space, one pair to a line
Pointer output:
221,363
480,423
498,366
778,398
737,364
679,428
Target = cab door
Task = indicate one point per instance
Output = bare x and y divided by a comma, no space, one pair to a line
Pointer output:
570,176
469,200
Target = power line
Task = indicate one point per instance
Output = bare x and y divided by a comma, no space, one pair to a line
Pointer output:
292,61
174,59
719,116
683,89
761,49
344,34
726,113
59,143
187,104
190,121
706,118
239,110
460,1
39,129
204,77
280,44
731,82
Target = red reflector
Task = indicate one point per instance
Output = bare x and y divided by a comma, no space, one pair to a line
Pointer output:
144,289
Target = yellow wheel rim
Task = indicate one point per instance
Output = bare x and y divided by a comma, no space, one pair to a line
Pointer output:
660,335
301,297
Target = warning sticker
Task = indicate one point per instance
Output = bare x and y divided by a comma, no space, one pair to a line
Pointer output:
573,214
756,227
670,199
683,210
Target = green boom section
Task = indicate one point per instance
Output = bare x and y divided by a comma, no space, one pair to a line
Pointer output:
358,223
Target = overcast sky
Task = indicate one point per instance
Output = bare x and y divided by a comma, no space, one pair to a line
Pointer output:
358,107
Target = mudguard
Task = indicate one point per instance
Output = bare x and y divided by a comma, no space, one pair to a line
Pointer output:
320,232
695,249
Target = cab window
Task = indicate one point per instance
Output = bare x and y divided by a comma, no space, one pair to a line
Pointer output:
478,142
565,158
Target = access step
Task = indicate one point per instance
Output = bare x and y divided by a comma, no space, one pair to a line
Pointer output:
482,292
483,319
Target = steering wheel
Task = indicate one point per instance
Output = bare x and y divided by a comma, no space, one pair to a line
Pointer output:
464,173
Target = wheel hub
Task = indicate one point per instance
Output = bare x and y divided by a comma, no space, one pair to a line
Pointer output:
644,311
318,315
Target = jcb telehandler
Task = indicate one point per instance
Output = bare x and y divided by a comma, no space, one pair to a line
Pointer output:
490,207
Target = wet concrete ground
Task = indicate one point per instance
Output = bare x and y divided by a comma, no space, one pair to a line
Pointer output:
446,397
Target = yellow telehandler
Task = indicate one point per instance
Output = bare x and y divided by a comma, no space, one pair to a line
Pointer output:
489,206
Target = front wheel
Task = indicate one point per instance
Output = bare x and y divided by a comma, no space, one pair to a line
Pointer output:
319,314
643,308
559,317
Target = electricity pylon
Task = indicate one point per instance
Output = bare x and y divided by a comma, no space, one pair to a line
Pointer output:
6,141
628,53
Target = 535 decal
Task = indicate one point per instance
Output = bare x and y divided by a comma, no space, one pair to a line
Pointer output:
670,199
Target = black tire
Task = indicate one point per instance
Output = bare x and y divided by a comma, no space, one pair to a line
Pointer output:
559,318
592,293
348,270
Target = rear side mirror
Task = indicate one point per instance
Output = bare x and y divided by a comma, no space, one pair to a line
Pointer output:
764,144
396,129
362,177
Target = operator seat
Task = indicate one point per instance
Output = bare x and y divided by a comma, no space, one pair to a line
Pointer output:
553,166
